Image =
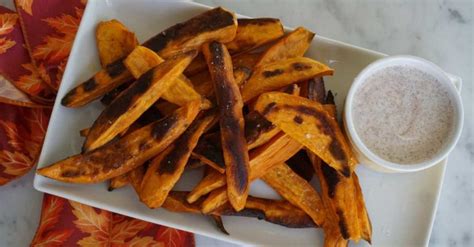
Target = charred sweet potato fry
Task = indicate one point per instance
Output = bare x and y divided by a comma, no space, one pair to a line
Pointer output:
274,211
176,202
118,182
294,44
344,203
296,190
129,152
114,41
246,59
253,33
276,151
165,169
301,164
310,124
211,181
215,24
258,130
135,177
273,76
231,121
84,132
142,59
210,153
130,104
112,76
111,95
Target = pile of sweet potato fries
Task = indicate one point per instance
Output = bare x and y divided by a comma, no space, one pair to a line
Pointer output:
234,96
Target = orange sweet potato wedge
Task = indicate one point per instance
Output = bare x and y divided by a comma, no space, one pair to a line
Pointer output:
296,190
273,76
114,41
176,202
211,181
118,182
130,104
119,157
294,44
215,24
209,152
310,124
231,121
252,33
275,211
344,203
108,78
142,59
136,177
278,150
165,169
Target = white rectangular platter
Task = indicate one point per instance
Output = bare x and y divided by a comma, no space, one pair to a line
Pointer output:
401,206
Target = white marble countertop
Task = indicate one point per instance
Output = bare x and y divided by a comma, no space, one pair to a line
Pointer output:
440,31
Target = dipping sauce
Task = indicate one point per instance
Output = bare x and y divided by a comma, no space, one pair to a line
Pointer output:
403,115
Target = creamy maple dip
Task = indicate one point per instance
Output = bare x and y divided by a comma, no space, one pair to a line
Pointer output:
402,114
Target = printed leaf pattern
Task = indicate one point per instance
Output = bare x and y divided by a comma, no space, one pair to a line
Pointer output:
32,82
50,215
56,47
22,129
7,22
26,5
106,230
6,44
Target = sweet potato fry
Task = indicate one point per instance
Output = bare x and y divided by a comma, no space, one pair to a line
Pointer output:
273,76
300,163
215,24
219,223
135,177
118,182
246,59
296,190
211,181
112,76
252,33
276,151
176,202
342,198
231,121
111,95
293,44
84,132
311,125
274,211
114,41
129,152
165,169
142,59
258,130
130,104
210,153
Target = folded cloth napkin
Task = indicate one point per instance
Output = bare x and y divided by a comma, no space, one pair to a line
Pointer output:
35,43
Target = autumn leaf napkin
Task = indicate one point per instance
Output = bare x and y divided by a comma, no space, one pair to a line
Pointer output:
35,42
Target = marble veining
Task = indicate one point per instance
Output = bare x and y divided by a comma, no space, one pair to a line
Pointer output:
439,30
